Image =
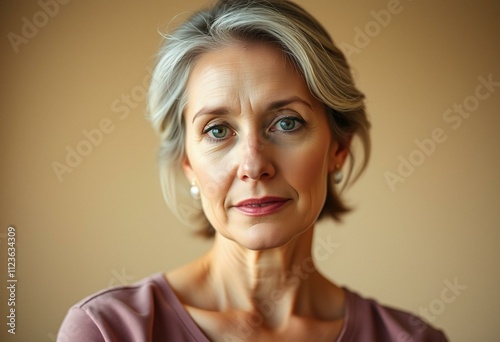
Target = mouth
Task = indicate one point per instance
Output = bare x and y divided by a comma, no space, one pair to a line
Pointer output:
261,206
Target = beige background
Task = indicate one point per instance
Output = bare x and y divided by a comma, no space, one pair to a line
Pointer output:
106,224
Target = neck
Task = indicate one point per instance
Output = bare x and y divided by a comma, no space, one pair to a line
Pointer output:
263,281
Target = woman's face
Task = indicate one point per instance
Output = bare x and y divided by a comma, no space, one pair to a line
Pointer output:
258,145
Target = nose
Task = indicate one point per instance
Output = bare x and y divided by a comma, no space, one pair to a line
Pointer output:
256,159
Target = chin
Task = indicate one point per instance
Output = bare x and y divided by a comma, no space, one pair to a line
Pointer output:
264,236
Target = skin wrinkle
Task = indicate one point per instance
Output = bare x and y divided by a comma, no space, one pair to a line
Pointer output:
255,256
251,154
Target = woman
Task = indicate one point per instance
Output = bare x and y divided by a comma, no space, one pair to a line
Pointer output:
256,108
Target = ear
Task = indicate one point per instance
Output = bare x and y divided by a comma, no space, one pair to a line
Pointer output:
338,154
186,167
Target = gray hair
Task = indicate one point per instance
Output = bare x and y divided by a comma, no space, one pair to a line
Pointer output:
301,37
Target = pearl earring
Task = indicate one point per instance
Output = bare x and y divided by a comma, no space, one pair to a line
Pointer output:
337,174
195,191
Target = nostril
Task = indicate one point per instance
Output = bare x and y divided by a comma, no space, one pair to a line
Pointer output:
256,162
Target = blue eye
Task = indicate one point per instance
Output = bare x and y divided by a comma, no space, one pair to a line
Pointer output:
217,132
287,124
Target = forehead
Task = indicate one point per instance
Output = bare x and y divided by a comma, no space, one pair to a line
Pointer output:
239,55
250,72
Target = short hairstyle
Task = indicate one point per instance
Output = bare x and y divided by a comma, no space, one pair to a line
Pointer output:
301,37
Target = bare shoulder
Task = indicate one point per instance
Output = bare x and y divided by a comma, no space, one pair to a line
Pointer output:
189,282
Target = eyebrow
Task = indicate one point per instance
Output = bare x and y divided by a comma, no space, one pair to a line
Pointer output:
221,110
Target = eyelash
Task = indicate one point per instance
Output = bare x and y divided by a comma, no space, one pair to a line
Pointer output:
298,120
225,125
207,130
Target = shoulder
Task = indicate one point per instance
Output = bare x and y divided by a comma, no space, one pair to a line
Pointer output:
367,320
127,313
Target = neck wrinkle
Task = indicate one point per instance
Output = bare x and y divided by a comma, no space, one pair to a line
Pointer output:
270,282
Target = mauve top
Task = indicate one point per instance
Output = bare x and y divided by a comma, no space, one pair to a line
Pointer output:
150,311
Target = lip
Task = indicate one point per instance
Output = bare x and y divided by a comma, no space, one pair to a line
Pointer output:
261,206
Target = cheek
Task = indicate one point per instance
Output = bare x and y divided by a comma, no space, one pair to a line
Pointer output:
209,168
214,180
308,171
